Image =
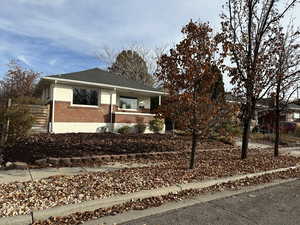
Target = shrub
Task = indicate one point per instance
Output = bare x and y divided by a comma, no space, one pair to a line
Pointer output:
20,121
140,128
124,130
156,125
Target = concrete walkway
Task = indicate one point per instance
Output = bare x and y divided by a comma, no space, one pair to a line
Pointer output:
9,176
253,145
108,202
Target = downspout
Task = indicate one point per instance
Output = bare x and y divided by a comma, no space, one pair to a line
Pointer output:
111,110
53,107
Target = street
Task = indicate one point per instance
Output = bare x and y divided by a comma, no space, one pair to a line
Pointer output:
277,205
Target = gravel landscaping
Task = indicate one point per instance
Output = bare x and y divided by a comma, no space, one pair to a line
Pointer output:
20,197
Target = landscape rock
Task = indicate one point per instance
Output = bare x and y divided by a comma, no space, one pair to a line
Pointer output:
42,146
20,165
66,161
54,161
9,165
41,162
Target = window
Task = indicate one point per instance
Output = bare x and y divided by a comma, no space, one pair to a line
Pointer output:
83,96
296,115
128,103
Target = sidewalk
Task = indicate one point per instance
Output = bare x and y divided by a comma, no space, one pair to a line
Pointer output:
108,202
9,176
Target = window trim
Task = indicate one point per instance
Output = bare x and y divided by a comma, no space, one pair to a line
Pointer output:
82,105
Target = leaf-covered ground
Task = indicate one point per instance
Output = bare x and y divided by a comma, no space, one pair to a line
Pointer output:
20,197
141,204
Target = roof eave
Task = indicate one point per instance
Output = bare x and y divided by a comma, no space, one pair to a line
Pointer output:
103,85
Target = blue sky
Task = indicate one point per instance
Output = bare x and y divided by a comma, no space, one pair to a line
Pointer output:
59,36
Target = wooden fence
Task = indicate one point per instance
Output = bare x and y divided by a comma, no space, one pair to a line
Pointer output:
41,115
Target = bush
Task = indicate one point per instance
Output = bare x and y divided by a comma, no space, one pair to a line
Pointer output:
140,128
20,121
124,130
156,125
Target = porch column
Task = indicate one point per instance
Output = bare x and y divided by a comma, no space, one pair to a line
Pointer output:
159,100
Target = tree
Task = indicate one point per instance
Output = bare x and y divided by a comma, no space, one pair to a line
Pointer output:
188,72
18,82
169,108
131,65
249,28
287,74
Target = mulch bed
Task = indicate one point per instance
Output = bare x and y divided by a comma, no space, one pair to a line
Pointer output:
43,146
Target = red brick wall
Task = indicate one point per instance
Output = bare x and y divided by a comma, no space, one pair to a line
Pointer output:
64,112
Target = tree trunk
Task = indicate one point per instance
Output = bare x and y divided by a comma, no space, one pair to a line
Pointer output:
277,119
245,140
173,127
194,145
277,133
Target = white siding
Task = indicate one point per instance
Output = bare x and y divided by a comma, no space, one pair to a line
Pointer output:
106,95
70,127
63,93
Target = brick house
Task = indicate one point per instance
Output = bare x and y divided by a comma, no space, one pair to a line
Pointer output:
96,100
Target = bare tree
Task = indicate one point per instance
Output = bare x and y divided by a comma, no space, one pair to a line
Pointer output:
18,82
134,62
287,74
249,28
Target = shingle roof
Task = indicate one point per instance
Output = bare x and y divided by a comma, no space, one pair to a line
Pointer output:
100,76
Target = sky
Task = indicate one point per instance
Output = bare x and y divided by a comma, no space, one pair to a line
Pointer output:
60,36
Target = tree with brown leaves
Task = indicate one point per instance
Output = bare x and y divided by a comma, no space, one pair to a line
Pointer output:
18,82
188,73
249,29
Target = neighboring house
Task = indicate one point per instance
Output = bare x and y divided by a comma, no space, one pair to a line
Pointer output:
290,114
264,112
95,101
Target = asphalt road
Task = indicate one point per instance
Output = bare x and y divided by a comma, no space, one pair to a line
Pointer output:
277,205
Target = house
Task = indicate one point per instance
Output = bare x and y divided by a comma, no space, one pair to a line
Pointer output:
289,116
95,100
264,112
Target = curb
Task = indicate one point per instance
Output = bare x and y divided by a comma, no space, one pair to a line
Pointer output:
108,202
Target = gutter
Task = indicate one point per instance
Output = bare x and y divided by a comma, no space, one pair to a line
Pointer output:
104,85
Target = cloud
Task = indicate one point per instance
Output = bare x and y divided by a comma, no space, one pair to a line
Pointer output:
85,26
52,62
73,31
24,59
